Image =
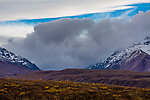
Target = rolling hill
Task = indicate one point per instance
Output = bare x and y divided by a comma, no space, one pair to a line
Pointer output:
115,77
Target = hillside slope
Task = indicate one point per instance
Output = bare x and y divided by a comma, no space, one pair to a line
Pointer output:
116,77
7,69
11,58
11,64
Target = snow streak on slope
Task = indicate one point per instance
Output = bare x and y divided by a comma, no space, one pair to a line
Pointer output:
9,57
121,55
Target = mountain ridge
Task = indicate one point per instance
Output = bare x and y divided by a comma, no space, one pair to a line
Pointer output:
9,57
11,64
119,59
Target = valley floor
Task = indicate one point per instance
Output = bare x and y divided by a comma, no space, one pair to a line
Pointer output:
11,89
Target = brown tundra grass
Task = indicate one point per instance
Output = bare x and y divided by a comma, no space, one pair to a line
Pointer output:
11,89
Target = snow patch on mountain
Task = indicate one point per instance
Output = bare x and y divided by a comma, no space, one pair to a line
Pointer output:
9,57
121,55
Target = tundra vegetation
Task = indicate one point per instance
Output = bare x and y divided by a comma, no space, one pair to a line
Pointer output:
11,89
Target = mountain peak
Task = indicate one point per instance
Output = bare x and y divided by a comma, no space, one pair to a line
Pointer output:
9,57
135,55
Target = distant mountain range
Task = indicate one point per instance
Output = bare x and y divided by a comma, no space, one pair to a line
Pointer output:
135,58
11,64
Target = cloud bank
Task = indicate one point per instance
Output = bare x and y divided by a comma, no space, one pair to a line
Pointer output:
77,43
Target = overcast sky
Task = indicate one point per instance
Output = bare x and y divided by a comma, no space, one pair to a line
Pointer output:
13,11
33,9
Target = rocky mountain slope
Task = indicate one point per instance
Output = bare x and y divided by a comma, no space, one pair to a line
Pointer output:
11,64
136,58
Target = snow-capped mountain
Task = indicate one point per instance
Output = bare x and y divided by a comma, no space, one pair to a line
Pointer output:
10,58
128,57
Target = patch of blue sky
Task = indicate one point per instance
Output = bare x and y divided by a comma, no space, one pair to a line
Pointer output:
96,16
42,20
118,13
140,7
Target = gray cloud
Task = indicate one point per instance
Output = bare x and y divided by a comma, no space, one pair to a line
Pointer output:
5,39
77,43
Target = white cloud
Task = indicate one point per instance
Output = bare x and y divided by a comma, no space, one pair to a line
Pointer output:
20,9
15,30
